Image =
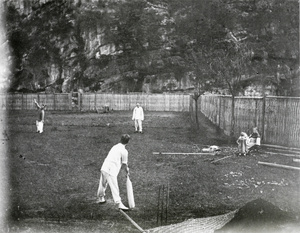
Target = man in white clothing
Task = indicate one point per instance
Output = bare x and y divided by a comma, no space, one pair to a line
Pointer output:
116,160
138,117
40,122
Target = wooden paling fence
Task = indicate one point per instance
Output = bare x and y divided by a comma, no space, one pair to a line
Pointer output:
61,101
150,102
277,118
97,101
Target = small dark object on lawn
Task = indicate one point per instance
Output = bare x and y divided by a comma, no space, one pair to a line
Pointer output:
105,109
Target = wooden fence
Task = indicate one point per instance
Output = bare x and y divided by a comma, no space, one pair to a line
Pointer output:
14,101
150,102
277,118
93,102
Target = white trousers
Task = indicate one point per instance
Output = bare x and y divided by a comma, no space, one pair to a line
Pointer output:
242,146
39,126
112,181
138,125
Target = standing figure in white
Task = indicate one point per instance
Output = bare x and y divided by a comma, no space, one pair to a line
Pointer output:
41,117
138,117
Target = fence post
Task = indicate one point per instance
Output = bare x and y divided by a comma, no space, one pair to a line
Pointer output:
79,101
200,104
54,102
263,117
70,100
25,105
22,102
95,102
219,109
255,114
286,112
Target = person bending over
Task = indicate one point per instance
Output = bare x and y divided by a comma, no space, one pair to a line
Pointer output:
116,160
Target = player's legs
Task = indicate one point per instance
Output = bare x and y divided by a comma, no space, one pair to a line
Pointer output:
140,125
114,187
102,187
41,126
37,126
136,125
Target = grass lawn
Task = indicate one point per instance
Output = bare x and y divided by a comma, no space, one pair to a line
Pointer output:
54,176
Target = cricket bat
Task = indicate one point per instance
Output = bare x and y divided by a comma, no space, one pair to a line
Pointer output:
130,195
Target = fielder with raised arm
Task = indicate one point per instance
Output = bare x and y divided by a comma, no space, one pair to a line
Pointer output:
41,117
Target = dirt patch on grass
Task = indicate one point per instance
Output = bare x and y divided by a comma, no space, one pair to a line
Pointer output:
58,179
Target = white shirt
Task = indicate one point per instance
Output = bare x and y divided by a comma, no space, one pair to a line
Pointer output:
114,160
138,113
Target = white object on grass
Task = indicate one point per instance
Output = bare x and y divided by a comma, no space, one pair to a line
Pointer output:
211,149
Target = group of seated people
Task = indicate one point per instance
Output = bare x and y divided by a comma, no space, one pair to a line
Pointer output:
248,143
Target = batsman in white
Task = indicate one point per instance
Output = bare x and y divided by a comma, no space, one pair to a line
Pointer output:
41,118
138,117
116,160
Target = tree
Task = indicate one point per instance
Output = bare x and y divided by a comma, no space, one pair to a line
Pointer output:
137,31
48,36
239,39
155,38
272,28
201,73
199,28
231,67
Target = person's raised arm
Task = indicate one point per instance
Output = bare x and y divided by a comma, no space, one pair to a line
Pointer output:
36,104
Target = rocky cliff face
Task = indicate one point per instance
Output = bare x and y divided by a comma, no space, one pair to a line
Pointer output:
131,46
102,71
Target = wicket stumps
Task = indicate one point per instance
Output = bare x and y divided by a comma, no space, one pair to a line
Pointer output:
163,204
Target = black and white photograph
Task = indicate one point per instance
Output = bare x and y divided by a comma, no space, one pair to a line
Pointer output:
152,116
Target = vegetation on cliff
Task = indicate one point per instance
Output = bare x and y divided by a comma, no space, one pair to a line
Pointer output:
154,46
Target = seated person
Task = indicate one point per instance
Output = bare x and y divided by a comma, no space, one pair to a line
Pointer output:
248,143
254,140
